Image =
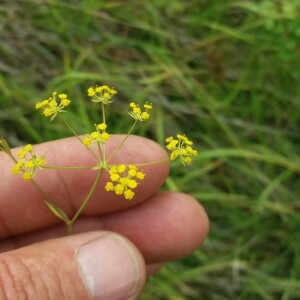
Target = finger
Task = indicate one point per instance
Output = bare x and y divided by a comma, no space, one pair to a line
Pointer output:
167,227
98,265
21,205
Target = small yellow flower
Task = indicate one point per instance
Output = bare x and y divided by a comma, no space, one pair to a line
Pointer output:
28,163
27,176
91,92
27,149
121,168
101,94
87,141
62,96
181,147
51,107
109,187
148,105
140,175
100,136
137,113
16,169
102,126
124,179
129,194
114,177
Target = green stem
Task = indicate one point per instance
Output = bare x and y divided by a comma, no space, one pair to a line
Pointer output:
70,228
41,191
12,157
77,136
152,163
103,121
72,130
100,152
103,113
87,198
122,143
69,167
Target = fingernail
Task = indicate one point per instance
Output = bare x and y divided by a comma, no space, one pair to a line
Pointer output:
110,268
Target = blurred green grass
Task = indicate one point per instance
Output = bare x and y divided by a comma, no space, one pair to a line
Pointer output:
225,73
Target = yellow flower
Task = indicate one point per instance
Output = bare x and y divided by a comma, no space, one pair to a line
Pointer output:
62,96
27,149
102,126
140,175
28,162
129,194
51,107
121,168
100,136
137,113
114,177
145,115
27,176
87,141
124,179
181,147
16,169
148,105
91,92
109,187
101,94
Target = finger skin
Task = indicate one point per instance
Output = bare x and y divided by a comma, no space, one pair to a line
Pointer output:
168,226
21,205
55,269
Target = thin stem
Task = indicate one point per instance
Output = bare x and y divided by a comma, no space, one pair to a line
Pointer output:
77,136
103,113
69,168
103,121
153,163
122,143
104,153
70,228
40,190
72,130
12,157
88,197
100,151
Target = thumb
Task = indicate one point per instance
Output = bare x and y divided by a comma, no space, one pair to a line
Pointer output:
95,265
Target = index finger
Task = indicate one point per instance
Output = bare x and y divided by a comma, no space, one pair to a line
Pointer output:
21,205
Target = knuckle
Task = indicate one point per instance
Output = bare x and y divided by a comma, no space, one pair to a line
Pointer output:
16,280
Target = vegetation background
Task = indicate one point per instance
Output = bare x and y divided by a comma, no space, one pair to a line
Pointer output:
224,72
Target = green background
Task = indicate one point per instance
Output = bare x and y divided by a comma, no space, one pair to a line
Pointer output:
224,72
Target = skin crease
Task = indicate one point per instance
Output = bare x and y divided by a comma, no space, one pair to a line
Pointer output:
153,221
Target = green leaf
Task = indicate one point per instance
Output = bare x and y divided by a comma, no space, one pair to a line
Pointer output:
4,146
57,211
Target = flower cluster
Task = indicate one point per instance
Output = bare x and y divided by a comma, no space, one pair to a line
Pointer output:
28,162
51,107
137,113
124,180
100,136
181,147
102,94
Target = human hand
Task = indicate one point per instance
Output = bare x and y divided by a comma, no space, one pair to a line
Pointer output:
115,242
